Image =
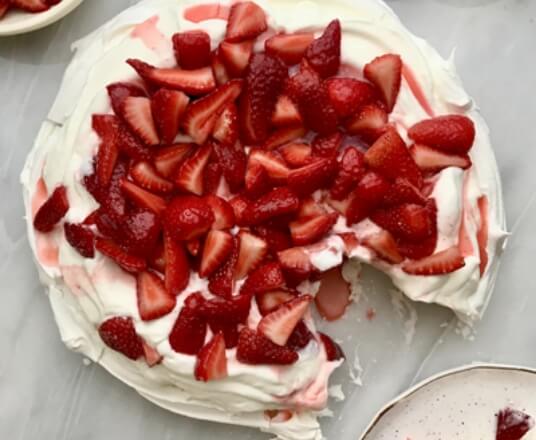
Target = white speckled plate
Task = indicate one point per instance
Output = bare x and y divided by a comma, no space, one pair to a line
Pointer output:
457,404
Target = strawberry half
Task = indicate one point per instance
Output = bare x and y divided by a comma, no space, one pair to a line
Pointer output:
431,160
130,263
223,212
255,349
257,181
234,309
52,211
284,136
189,177
192,49
333,350
267,277
235,57
300,337
289,47
211,360
188,217
228,330
367,196
442,263
221,283
119,334
384,245
348,95
286,113
190,329
385,72
80,238
130,145
409,221
310,208
177,269
168,160
232,161
295,263
140,231
268,302
308,179
153,299
276,203
137,113
324,53
168,107
247,20
119,91
226,127
251,252
146,176
308,231
416,250
351,170
369,123
143,198
218,246
401,192
297,154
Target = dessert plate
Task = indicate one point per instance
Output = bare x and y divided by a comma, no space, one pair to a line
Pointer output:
19,22
461,403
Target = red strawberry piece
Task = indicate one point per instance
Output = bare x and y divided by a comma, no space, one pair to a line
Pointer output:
278,239
193,82
146,176
295,263
482,233
223,212
284,136
188,217
107,127
276,203
192,49
233,309
384,245
119,91
327,146
369,123
240,207
152,357
402,191
119,334
202,115
257,181
80,238
333,297
128,262
286,113
350,241
157,259
431,160
297,154
168,107
211,360
212,178
4,7
193,247
385,72
348,95
408,221
390,157
333,350
513,424
226,128
228,330
235,57
289,47
177,271
368,195
109,226
218,68
143,198
153,299
416,250
232,161
189,177
247,20
52,211
31,5
351,170
251,252
279,324
168,160
218,246
310,208
221,283
441,263
255,349
267,302
267,277
140,231
131,146
112,199
190,329
324,53
274,165
308,231
137,113
308,179
91,219
452,133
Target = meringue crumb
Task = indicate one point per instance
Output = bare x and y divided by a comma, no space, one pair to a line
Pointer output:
87,362
337,393
356,370
351,272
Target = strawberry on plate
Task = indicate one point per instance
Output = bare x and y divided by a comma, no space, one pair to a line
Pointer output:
128,262
369,123
289,47
187,217
224,217
251,252
119,91
431,160
52,211
246,21
311,230
137,113
168,159
278,202
119,334
407,221
324,53
81,238
351,170
232,161
286,113
255,349
192,49
267,277
189,331
385,72
142,197
308,179
441,263
146,176
168,107
154,301
218,246
211,360
189,177
348,95
226,127
235,57
385,247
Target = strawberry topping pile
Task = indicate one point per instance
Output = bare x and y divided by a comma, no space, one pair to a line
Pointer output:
26,5
233,165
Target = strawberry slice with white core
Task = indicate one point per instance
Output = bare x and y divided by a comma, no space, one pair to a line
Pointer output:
333,297
286,113
188,217
251,252
310,208
177,270
235,57
284,136
143,198
168,107
278,202
441,263
218,68
385,247
153,299
296,261
289,47
369,123
211,360
317,175
167,160
147,177
189,178
226,127
297,154
311,230
274,165
31,5
218,246
224,217
152,357
267,302
138,115
247,20
385,72
430,160
279,324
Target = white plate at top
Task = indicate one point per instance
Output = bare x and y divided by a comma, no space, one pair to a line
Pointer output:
17,21
457,404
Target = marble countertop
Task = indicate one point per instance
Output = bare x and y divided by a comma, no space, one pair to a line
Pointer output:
48,392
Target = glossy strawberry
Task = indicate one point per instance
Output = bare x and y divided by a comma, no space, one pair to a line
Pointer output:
153,299
267,277
327,146
385,72
311,230
441,263
276,203
128,262
168,160
229,330
119,91
189,176
348,95
513,424
221,283
218,68
235,57
218,246
407,221
367,196
107,128
289,47
251,252
431,160
268,302
80,238
385,247
240,205
286,113
324,53
284,136
143,198
226,128
192,49
334,296
297,154
351,170
401,192
310,208
131,146
188,217
140,231
246,21
211,360
112,198
308,179
177,267
296,264
147,177
212,177
333,350
369,123
223,212
255,349
119,334
234,309
188,333
168,107
151,354
257,182
137,113
52,211
232,161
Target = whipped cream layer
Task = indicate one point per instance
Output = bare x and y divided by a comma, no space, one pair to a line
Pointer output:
85,292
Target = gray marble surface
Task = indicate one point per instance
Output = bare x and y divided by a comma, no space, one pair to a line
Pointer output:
47,392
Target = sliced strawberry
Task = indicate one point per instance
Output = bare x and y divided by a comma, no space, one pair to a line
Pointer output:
257,181
190,329
277,238
390,157
152,357
240,207
348,95
430,160
276,203
369,123
284,136
189,177
193,247
168,160
513,424
251,252
274,165
333,350
234,309
324,53
267,302
267,277
157,259
308,231
218,246
218,68
140,231
168,107
193,82
153,299
202,115
147,177
128,262
385,72
300,337
297,154
351,170
52,211
112,199
119,91
296,263
442,263
137,113
333,297
416,250
143,198
327,146
265,79
235,57
289,47
192,49
402,191
308,179
107,127
108,226
368,195
211,360
31,5
188,217
452,133
221,283
409,221
310,208
384,245
254,349
279,324
232,161
177,271
226,128
482,233
229,330
91,218
223,212
80,238
247,20
286,113
212,178
119,334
